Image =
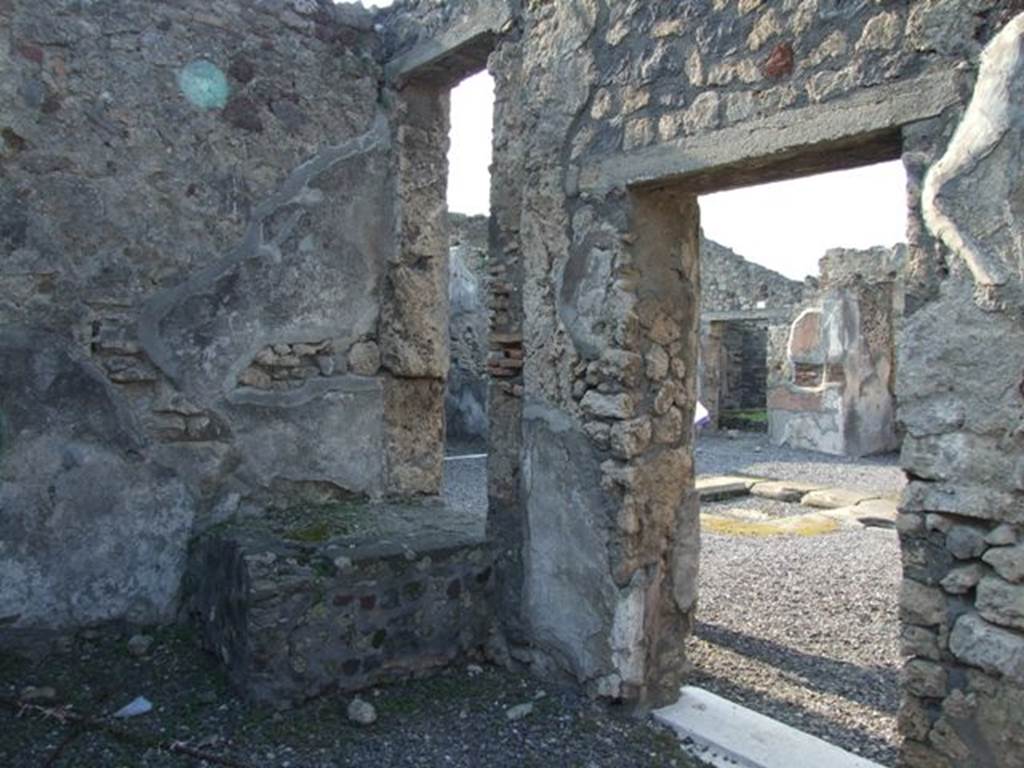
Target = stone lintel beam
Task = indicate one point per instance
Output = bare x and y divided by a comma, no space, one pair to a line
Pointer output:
455,53
858,129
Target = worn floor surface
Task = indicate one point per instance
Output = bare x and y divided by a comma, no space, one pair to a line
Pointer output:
452,719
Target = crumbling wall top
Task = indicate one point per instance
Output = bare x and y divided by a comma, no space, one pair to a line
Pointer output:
879,264
731,283
442,42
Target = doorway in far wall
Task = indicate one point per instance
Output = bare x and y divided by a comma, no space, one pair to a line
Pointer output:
466,394
741,350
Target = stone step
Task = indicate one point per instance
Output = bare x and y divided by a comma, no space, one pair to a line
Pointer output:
783,490
836,498
718,487
873,513
881,512
726,734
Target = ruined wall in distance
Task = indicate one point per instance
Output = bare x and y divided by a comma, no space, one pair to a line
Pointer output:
832,380
731,283
732,351
468,330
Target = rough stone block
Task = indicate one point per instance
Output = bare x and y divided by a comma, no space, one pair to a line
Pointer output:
927,679
630,438
978,643
835,498
921,604
965,541
783,490
726,487
1008,562
1002,536
1001,602
918,641
963,579
621,406
877,512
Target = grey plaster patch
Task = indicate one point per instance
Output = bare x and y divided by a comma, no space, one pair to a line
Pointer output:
77,491
203,332
569,595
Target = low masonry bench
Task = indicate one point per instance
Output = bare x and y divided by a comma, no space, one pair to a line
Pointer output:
311,604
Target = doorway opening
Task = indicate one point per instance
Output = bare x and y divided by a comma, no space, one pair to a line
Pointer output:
469,291
800,560
469,157
736,365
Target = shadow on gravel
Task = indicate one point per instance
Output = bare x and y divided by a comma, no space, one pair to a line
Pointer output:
874,687
847,737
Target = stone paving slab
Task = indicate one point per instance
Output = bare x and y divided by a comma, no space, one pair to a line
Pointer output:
718,487
836,498
879,509
783,490
727,734
878,513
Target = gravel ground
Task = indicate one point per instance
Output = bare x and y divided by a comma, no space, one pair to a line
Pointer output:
465,483
753,507
805,630
451,719
753,454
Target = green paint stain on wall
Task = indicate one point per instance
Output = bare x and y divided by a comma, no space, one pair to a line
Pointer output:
204,84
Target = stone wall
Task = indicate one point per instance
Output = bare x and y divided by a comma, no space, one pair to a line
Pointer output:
730,283
200,260
962,403
292,619
611,119
832,389
469,326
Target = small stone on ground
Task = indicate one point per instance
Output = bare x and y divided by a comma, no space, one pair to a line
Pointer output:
361,712
139,645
